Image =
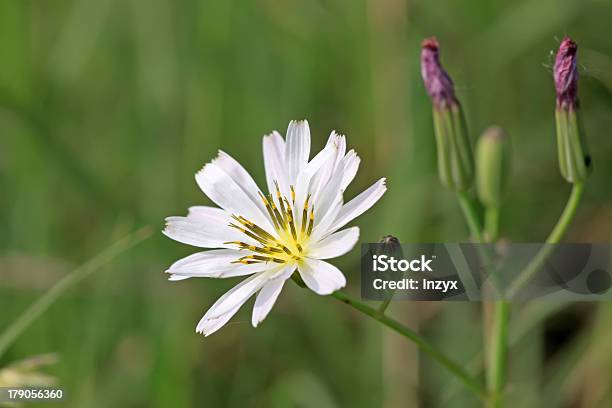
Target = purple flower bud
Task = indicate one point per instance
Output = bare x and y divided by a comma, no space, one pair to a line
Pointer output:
566,75
437,82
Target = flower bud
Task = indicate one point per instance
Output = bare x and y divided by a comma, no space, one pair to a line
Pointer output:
492,165
455,157
574,160
390,245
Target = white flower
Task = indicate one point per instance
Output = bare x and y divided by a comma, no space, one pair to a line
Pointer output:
268,237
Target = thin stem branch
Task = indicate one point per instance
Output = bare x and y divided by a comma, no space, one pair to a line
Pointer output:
383,306
471,383
568,214
555,236
37,308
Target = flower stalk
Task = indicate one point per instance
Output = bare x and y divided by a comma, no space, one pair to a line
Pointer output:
553,238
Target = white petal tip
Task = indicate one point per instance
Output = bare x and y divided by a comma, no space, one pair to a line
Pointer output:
204,168
337,288
220,157
201,329
271,135
166,231
327,293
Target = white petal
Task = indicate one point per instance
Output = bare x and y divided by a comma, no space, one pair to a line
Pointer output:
337,145
205,214
175,278
359,204
350,164
202,234
227,194
297,149
228,304
265,300
324,226
267,296
321,277
306,176
274,161
216,263
209,325
236,296
242,178
336,244
323,157
330,194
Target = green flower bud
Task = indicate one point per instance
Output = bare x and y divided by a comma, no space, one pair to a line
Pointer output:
574,160
492,166
455,157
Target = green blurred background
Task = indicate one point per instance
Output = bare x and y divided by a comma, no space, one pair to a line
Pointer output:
108,108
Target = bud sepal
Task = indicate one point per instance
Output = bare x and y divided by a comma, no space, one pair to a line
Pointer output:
574,159
455,158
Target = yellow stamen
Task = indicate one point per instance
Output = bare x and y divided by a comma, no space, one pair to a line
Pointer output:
269,209
281,203
305,214
291,224
277,215
311,223
288,242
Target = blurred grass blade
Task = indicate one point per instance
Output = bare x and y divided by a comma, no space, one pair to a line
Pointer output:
42,304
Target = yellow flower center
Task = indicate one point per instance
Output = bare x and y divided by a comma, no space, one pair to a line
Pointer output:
292,242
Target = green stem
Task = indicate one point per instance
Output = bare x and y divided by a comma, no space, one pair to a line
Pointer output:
568,214
471,215
383,306
471,383
37,308
555,236
496,373
492,223
498,348
496,368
